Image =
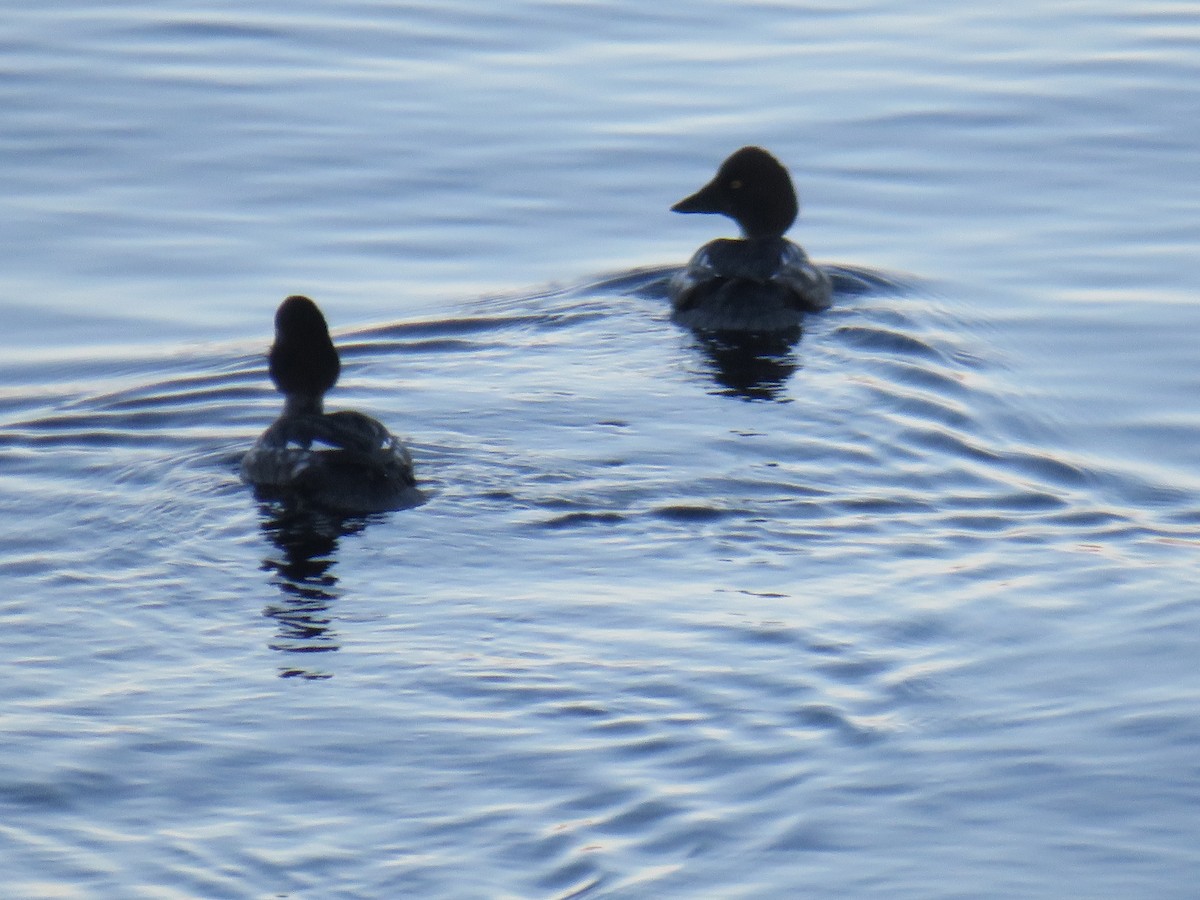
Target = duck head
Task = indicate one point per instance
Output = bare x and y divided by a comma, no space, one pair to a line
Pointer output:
754,189
303,361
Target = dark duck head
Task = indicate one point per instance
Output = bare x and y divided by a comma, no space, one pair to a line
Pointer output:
303,361
754,189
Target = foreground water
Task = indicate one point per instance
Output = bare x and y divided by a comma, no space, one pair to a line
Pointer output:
905,609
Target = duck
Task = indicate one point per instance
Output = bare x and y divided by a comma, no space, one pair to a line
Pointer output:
342,461
761,281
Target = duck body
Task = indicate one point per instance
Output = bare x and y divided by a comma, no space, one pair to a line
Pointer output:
762,281
343,461
755,284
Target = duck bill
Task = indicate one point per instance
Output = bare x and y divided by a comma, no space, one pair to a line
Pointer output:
704,200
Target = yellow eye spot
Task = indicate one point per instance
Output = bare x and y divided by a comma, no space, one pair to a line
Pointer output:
736,183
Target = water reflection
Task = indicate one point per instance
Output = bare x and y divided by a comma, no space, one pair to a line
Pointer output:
750,365
307,541
757,365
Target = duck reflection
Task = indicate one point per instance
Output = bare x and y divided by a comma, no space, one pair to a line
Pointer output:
753,365
307,540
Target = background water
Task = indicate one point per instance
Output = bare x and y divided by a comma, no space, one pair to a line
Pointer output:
905,610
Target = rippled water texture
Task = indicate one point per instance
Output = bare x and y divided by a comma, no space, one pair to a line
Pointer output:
904,607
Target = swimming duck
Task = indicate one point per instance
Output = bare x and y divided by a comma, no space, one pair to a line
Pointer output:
762,282
344,461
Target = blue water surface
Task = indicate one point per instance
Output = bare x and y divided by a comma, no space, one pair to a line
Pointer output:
904,608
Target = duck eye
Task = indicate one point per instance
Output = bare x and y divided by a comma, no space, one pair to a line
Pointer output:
736,184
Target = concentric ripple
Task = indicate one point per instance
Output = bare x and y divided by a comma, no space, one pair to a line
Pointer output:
674,601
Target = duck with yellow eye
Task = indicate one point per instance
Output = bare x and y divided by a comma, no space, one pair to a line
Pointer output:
761,281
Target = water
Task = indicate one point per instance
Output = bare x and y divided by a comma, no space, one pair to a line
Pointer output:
906,609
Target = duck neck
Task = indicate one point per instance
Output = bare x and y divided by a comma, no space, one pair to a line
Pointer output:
303,405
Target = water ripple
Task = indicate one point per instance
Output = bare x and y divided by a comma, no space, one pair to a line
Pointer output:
563,434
